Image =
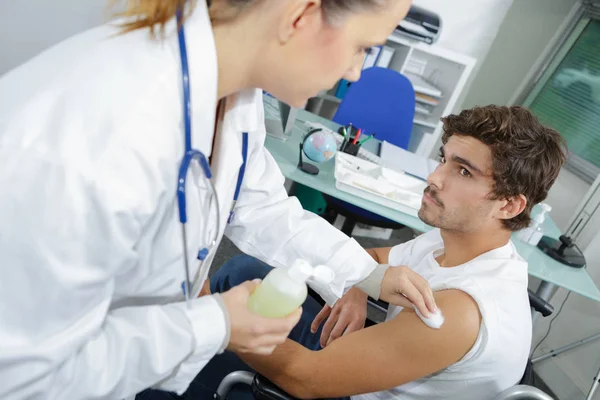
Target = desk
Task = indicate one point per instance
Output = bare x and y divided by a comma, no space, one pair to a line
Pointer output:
286,155
551,272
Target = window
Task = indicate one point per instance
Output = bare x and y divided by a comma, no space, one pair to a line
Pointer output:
567,97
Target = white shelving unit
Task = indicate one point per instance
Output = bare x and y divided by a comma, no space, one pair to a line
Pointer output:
438,76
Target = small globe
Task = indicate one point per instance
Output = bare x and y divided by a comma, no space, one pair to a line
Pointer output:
320,146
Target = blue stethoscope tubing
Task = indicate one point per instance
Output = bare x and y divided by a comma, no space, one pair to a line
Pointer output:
191,155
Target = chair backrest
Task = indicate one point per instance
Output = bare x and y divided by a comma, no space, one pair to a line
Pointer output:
381,101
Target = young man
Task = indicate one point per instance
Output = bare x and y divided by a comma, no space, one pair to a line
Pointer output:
496,164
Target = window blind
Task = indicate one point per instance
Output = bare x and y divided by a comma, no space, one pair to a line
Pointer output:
569,100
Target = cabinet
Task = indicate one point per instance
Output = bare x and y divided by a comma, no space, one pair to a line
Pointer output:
438,76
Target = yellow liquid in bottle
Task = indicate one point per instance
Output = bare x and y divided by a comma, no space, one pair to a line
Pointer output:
277,295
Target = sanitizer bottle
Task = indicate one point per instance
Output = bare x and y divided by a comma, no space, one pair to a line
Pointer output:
533,233
284,290
536,228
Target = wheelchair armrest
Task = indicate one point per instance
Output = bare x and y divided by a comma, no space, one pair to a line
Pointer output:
523,392
540,305
264,389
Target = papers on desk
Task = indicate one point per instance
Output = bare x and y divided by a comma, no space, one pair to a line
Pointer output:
399,159
378,184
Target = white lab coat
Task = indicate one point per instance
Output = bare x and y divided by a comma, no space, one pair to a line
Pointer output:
90,144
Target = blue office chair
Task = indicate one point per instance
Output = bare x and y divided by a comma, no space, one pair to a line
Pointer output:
381,101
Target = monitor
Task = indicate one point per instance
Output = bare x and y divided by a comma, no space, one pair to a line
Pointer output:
281,128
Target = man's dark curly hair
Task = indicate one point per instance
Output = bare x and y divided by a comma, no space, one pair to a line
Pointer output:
527,156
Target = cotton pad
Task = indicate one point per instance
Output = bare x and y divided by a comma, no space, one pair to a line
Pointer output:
435,320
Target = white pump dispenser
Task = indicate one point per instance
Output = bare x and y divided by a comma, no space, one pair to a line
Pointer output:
536,227
533,233
284,290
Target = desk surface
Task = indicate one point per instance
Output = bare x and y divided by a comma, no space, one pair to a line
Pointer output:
540,265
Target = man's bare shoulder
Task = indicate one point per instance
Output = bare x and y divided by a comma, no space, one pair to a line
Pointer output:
456,336
402,349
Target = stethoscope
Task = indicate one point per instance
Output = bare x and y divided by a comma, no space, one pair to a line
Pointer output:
193,155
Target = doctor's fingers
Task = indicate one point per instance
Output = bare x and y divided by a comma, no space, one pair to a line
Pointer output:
402,282
275,326
251,333
427,294
417,292
264,334
264,344
261,351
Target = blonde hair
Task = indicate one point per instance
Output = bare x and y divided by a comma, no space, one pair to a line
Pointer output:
152,14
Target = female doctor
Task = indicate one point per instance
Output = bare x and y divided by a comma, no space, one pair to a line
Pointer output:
127,151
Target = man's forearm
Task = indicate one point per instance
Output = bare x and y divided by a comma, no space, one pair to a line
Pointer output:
289,367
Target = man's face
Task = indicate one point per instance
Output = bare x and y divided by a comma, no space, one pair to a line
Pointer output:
457,196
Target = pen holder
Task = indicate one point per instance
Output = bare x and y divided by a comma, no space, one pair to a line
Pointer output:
351,130
349,148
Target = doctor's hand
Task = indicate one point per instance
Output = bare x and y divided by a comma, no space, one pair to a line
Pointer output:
250,332
347,315
404,287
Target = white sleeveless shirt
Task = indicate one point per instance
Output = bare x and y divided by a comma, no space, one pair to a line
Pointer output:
497,281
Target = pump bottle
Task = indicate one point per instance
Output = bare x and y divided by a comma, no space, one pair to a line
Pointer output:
284,290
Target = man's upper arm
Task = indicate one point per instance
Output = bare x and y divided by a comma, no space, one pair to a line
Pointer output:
395,352
380,254
395,256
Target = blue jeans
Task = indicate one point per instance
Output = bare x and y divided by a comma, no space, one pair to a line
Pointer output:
236,271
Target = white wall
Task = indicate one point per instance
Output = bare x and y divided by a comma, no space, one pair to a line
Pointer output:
564,197
30,26
33,25
528,27
468,26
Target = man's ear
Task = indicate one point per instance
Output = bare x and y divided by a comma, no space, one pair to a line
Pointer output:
512,207
299,15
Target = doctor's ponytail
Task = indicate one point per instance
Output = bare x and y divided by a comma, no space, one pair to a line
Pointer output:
151,14
154,14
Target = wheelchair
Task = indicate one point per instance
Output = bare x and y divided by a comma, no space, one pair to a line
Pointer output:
263,389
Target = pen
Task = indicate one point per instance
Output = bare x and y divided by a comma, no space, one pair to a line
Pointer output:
366,139
357,136
344,131
344,143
